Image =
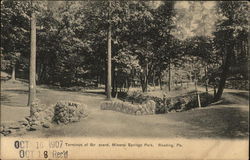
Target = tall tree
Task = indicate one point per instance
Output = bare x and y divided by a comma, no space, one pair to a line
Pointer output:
32,71
230,30
109,55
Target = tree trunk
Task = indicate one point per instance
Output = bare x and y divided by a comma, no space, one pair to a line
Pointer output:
154,79
169,76
109,60
127,84
225,71
113,81
44,77
32,67
221,85
40,72
13,75
160,82
142,82
214,91
206,82
97,80
144,79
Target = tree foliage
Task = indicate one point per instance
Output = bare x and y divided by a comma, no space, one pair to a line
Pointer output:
149,38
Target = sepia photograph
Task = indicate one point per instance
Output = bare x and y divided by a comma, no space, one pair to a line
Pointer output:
124,79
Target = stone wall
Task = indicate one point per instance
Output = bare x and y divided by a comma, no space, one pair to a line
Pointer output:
134,109
43,116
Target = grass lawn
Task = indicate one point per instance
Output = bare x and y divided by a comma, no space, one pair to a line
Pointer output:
226,120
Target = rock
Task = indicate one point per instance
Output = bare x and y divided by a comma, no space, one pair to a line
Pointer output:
35,123
13,130
1,129
46,125
5,133
37,114
147,110
28,118
39,109
14,127
34,127
33,118
138,112
61,114
75,119
24,122
150,105
139,106
23,126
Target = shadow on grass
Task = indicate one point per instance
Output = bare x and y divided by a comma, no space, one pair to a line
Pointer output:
14,97
221,122
17,91
217,123
4,98
244,95
94,92
75,89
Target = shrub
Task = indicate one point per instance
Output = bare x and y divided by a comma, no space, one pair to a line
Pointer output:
66,112
164,105
190,101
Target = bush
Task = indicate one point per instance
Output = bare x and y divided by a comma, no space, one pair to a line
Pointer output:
66,112
189,101
164,105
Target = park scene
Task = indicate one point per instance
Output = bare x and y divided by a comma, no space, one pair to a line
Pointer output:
150,69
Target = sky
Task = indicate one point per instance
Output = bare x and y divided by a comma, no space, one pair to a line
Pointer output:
194,18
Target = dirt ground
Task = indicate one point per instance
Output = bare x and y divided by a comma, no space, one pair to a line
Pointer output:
226,120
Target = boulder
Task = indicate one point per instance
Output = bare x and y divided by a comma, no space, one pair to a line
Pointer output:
46,125
138,112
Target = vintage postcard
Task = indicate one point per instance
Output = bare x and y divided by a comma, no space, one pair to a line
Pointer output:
123,79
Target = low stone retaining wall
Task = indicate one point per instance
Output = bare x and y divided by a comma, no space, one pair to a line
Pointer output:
44,116
134,109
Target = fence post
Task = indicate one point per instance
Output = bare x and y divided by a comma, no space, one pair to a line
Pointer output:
199,101
198,96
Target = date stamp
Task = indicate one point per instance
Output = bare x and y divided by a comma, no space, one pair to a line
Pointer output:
40,149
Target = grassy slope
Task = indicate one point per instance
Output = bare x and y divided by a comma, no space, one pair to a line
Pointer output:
227,120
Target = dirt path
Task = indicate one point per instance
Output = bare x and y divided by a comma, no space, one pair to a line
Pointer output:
227,120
